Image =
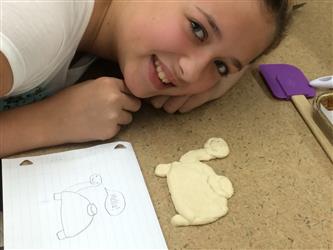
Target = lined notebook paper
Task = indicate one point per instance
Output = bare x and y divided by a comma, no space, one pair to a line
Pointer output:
87,198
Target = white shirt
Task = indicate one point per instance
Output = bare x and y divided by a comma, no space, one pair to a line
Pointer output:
39,40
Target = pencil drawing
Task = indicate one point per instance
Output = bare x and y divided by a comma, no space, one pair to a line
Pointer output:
77,212
114,202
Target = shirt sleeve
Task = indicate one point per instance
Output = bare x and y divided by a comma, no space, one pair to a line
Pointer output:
37,37
15,60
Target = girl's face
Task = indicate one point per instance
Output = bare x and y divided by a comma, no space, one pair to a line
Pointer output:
185,47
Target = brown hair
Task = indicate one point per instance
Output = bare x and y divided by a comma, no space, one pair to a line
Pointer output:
282,12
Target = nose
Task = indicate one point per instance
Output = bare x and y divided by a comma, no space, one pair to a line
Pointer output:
195,67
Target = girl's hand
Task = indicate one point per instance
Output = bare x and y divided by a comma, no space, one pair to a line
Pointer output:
93,110
186,103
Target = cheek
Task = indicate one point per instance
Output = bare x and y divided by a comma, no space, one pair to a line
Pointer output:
169,36
135,80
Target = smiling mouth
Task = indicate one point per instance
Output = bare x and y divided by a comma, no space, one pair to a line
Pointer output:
160,73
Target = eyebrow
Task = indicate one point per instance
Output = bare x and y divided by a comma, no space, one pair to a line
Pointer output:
218,32
211,22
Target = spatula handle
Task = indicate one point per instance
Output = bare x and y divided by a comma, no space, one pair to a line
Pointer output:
305,109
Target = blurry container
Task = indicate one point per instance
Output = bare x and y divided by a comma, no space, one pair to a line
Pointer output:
323,113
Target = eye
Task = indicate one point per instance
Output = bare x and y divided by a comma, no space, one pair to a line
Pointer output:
199,31
222,68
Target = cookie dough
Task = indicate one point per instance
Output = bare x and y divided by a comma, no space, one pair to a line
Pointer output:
198,193
213,148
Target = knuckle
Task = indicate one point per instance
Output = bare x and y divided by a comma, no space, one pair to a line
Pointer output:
113,117
114,97
108,82
103,80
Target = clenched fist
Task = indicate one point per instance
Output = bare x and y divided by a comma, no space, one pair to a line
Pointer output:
92,110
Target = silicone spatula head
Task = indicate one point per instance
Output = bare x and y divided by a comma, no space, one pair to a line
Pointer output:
286,80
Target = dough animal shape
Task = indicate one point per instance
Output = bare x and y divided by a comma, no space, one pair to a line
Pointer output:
198,193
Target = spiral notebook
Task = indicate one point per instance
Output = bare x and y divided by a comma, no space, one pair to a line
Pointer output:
88,198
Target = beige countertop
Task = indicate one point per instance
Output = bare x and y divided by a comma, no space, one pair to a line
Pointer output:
281,175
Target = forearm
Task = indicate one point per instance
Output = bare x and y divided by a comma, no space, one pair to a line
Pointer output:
29,127
88,111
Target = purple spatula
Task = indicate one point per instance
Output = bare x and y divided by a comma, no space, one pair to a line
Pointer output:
289,83
286,80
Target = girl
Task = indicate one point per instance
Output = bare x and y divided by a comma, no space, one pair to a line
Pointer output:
179,54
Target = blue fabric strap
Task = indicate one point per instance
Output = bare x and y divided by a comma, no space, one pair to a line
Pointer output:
31,96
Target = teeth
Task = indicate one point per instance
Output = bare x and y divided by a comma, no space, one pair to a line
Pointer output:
161,75
160,72
157,62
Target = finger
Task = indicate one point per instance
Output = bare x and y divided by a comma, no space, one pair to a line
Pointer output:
158,101
174,103
122,86
115,130
131,103
126,90
112,131
125,118
194,102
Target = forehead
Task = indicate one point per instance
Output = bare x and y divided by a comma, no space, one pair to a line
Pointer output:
235,12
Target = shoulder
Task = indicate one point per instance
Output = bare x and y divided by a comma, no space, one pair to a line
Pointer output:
37,40
100,9
6,75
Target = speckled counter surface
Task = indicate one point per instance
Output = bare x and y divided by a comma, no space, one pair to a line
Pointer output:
282,177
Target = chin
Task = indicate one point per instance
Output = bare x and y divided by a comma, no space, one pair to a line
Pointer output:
137,91
136,87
